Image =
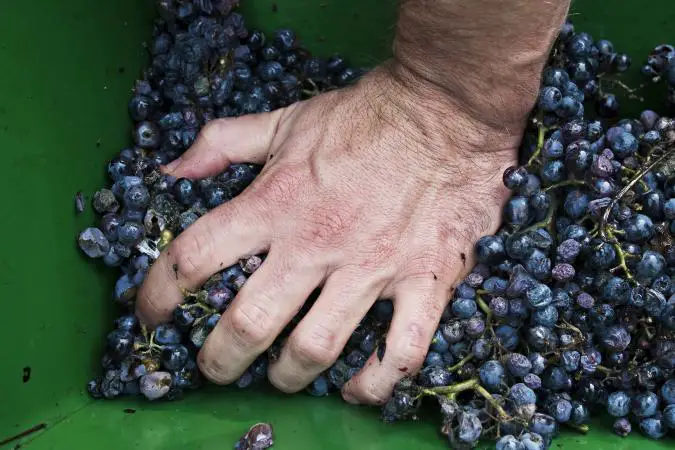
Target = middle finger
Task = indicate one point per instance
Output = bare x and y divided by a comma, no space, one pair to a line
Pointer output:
263,307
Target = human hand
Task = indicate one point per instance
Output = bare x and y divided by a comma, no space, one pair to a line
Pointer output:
375,191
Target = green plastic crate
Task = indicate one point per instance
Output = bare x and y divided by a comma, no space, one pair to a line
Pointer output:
66,69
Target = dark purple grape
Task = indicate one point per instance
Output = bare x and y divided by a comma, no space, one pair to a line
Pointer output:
622,427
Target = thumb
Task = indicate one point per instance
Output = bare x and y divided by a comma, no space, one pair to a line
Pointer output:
245,139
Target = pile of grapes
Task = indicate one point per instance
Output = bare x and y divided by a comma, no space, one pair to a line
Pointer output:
568,312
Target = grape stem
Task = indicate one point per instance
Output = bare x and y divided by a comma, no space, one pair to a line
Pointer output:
630,91
563,184
461,363
467,385
604,229
632,172
548,220
572,327
204,306
580,428
150,339
488,313
484,307
622,260
311,92
541,132
603,369
200,297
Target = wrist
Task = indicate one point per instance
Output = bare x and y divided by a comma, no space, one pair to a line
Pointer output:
431,135
499,98
460,120
486,55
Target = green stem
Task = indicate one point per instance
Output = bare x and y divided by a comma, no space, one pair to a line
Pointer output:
540,145
467,385
669,151
205,307
150,346
488,312
483,306
548,220
580,428
564,183
491,400
208,309
603,369
461,363
569,326
583,219
622,259
452,389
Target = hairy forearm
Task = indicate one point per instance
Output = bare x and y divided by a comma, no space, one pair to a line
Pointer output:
485,54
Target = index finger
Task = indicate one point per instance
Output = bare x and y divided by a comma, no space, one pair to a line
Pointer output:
214,242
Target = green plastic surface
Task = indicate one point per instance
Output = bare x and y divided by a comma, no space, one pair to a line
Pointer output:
66,69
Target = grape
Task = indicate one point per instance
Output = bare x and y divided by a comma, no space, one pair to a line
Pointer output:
669,416
560,409
622,427
518,365
543,425
470,428
616,338
668,391
653,427
645,404
464,308
155,385
539,296
618,404
492,375
538,363
532,441
509,442
532,381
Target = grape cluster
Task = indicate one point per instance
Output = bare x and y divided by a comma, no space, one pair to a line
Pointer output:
661,66
570,310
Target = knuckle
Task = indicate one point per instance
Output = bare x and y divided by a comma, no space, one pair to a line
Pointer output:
155,300
228,213
372,397
283,185
212,132
190,251
251,324
328,224
317,349
239,218
152,311
282,384
380,251
426,262
370,394
409,352
212,369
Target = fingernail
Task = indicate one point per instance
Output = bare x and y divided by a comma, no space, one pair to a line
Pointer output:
173,165
349,398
